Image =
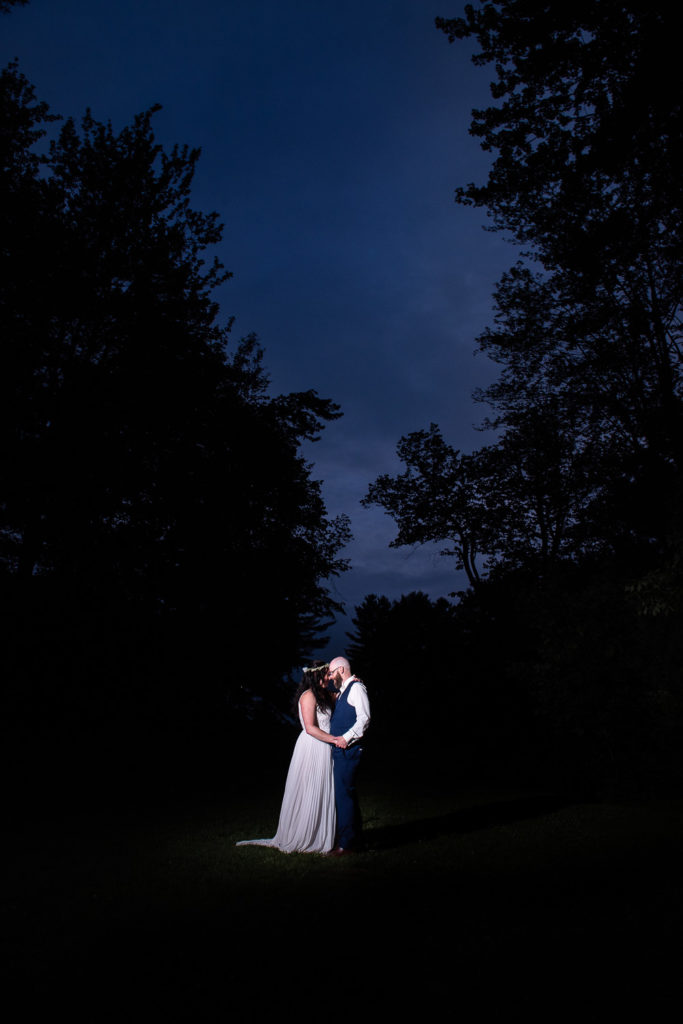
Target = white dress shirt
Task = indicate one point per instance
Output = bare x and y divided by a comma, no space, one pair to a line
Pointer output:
358,699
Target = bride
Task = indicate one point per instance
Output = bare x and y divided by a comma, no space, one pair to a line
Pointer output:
307,818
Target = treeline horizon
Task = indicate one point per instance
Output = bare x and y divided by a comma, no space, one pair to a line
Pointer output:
165,555
164,551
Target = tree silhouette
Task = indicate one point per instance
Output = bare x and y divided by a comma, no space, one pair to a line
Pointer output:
519,502
588,406
402,647
568,525
150,476
5,5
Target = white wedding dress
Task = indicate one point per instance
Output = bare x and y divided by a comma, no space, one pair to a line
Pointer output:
307,817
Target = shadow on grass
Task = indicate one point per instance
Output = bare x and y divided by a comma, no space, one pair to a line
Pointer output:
460,822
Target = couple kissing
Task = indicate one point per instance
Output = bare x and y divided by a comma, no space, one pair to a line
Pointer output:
320,811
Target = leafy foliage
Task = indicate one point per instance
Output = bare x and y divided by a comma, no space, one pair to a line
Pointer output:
5,5
150,477
586,136
568,525
434,499
401,648
588,405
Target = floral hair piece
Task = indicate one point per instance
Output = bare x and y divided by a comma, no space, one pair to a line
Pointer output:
315,668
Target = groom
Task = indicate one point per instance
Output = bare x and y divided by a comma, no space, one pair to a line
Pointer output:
350,720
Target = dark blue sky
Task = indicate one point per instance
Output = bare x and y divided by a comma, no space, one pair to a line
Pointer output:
333,137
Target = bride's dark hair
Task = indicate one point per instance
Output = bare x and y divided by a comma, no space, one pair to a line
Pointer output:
314,679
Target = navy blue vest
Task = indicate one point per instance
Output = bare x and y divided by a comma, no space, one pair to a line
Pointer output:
344,714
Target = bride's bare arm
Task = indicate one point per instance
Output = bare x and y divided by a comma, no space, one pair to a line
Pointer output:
308,714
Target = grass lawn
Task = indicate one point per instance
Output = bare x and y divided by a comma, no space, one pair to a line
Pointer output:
487,894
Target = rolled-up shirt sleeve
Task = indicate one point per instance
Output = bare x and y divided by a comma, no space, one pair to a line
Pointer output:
358,699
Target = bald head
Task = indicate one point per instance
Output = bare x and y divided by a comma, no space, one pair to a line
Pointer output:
338,671
340,663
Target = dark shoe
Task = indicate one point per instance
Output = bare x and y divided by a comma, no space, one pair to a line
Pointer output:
339,851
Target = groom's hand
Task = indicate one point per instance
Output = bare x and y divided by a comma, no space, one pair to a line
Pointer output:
341,743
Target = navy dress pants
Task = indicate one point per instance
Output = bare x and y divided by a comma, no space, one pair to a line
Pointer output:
345,765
